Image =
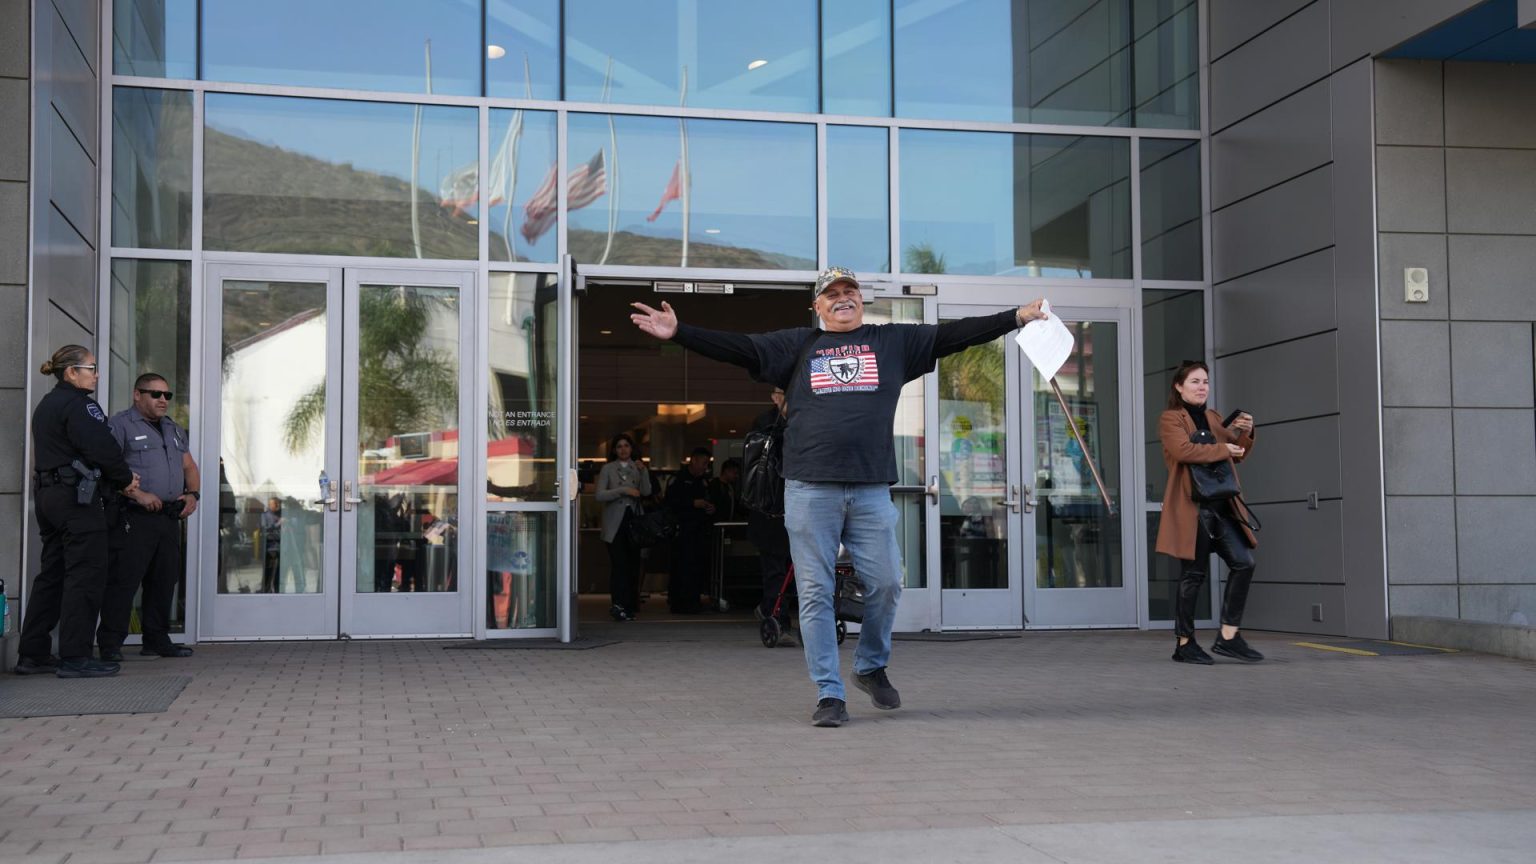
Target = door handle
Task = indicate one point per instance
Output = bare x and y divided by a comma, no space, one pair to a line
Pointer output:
1029,499
932,491
329,500
349,499
1013,501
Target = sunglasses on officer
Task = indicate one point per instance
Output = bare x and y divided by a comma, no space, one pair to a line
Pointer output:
156,394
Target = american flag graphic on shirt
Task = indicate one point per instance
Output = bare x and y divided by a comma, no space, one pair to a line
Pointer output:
845,373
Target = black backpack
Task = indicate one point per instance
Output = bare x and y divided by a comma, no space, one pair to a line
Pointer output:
762,459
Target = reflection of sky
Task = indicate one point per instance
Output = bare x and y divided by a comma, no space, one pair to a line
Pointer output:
156,38
369,136
954,59
858,206
524,29
357,44
753,182
856,57
957,196
651,42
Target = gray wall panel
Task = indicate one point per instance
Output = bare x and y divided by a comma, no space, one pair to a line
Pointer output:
1363,27
66,269
14,126
1495,540
73,89
1359,358
1280,61
15,40
1276,144
1491,278
1283,382
1291,460
1439,601
82,17
1281,223
13,405
1399,251
1491,365
1478,97
72,182
1286,606
1502,604
1490,191
13,223
59,330
13,328
1411,195
1495,451
1417,451
1281,302
1300,545
1234,22
1421,540
1416,364
1408,103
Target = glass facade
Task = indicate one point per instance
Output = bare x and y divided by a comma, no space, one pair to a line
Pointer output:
497,136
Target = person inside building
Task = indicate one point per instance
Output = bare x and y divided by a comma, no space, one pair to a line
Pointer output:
842,382
622,484
688,498
146,542
77,464
767,533
725,491
1191,530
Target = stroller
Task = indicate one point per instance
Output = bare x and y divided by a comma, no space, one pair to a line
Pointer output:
847,604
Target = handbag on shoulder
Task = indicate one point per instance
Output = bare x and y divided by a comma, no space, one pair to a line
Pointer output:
647,528
1211,481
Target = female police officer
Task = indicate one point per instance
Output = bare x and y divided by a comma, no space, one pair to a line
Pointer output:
75,455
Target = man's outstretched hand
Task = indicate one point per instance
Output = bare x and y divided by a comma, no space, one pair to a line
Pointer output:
661,323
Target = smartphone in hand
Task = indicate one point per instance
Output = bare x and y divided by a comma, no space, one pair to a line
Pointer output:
1233,416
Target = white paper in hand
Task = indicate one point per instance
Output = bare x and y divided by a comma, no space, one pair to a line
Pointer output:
1046,342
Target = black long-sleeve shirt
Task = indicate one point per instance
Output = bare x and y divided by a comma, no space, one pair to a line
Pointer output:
69,425
842,403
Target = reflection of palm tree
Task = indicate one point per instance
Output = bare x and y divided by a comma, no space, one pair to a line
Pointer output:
402,386
974,375
920,258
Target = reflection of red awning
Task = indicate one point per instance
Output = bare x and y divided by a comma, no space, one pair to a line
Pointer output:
428,472
512,446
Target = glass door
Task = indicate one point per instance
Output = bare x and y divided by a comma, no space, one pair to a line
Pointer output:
979,494
275,344
339,400
1075,557
406,339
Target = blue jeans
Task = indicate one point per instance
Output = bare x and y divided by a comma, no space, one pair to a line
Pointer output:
860,516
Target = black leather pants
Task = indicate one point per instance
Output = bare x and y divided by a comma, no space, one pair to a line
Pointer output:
1219,533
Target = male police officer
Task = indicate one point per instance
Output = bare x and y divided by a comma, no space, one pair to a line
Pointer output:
842,383
146,546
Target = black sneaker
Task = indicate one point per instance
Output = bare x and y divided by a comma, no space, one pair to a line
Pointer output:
111,655
85,667
170,649
37,665
830,712
1191,652
879,688
1236,648
618,613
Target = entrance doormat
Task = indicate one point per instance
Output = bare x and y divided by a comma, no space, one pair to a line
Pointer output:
546,644
47,696
955,636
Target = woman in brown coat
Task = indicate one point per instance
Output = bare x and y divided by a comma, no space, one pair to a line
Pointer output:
1191,530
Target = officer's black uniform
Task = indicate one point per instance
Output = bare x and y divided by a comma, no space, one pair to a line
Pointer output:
68,426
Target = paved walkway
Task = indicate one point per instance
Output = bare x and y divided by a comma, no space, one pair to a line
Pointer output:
696,738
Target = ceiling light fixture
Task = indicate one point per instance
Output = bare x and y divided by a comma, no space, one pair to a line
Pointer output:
711,230
605,332
757,64
495,52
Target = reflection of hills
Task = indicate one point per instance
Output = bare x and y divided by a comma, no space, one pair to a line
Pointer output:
631,248
262,198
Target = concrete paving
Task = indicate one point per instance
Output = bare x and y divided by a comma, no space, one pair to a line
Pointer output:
689,743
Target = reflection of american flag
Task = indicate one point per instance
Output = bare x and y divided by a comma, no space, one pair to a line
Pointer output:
585,185
845,372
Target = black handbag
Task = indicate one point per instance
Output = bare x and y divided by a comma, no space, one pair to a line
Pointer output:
1211,481
762,457
647,528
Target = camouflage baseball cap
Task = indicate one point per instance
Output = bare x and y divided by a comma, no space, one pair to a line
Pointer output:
833,275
